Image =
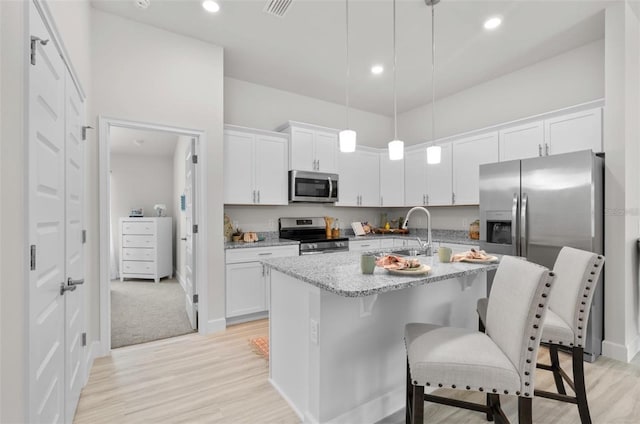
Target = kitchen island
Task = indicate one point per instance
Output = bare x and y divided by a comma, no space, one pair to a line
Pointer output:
336,335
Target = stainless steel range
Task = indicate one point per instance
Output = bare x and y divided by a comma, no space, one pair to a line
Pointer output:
311,234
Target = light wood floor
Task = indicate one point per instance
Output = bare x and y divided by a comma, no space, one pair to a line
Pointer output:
219,379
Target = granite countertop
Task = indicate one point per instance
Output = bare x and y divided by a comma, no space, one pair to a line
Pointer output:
339,273
270,239
439,236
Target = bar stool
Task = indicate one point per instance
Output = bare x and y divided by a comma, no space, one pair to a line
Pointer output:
565,325
500,361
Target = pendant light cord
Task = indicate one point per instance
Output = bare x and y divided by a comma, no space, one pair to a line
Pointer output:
395,99
348,63
433,73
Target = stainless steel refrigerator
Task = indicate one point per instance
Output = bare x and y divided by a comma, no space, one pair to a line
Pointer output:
534,207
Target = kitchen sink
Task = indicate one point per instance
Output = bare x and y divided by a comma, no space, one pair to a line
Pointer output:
412,252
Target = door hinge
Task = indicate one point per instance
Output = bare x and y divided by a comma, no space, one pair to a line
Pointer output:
35,40
84,339
84,131
195,229
84,236
32,261
195,298
194,158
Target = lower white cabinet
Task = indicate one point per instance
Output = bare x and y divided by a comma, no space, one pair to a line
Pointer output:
247,280
146,248
364,245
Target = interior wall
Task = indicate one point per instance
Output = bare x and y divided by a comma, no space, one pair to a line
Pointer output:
568,79
178,190
258,106
139,182
172,80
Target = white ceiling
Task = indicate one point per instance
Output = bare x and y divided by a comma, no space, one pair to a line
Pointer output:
304,52
154,143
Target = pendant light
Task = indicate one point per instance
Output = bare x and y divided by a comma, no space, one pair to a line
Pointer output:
434,153
396,147
347,137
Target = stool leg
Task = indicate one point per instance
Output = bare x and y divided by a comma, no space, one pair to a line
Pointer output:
481,325
578,381
555,363
493,401
525,410
409,395
417,401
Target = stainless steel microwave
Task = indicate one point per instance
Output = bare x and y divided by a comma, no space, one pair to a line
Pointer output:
315,187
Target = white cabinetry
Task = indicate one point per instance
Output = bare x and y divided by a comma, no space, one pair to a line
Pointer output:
146,248
415,176
364,245
468,154
439,180
247,289
522,141
312,147
359,182
574,132
255,167
391,181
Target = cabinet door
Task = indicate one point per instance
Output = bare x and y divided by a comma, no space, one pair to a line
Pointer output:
349,179
301,156
415,177
271,170
468,155
574,132
522,141
246,289
238,167
439,179
368,182
326,151
391,181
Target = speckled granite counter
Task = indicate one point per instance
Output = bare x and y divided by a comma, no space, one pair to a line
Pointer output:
271,239
439,236
339,273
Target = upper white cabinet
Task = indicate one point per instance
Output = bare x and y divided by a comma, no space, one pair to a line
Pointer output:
255,166
522,141
574,132
468,154
391,181
359,178
439,180
312,148
415,176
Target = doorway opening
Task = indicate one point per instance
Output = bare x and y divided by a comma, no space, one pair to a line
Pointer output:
151,195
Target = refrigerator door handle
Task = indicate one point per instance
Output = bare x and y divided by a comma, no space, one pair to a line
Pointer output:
514,225
523,226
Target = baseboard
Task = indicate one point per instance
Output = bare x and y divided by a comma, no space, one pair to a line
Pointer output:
94,351
247,318
303,417
617,351
215,325
374,410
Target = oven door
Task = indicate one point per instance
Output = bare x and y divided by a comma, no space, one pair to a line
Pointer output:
314,187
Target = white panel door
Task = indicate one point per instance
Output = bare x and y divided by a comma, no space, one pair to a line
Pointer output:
238,168
415,177
271,170
46,230
74,250
301,150
391,181
522,141
439,179
190,244
348,170
246,289
326,152
574,132
368,178
468,154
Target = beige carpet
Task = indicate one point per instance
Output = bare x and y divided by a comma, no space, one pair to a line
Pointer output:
142,311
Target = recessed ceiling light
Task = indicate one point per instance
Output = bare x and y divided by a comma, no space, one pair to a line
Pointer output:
377,69
143,4
493,22
210,6
138,142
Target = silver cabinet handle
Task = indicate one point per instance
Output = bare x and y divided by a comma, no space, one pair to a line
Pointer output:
427,199
453,198
514,226
183,238
265,254
64,288
254,196
365,245
381,201
72,282
330,187
258,196
539,149
546,149
523,226
318,164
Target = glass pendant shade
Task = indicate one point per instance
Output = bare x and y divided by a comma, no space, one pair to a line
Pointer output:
347,141
396,150
434,155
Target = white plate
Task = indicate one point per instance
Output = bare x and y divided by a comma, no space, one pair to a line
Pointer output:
481,261
422,269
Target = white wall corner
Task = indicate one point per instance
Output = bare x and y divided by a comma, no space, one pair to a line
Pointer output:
215,326
616,351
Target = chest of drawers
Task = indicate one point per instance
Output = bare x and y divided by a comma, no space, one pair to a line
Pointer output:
146,248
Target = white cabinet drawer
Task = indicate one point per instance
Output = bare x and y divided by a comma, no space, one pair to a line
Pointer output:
138,254
252,254
363,245
138,267
138,241
144,227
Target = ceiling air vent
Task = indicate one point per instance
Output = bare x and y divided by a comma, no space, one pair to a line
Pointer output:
277,7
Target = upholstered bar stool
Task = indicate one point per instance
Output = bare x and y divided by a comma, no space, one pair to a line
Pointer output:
500,361
565,324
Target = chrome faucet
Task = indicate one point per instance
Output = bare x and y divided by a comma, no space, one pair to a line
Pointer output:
428,246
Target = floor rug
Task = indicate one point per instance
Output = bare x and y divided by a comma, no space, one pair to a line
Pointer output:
143,311
260,345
